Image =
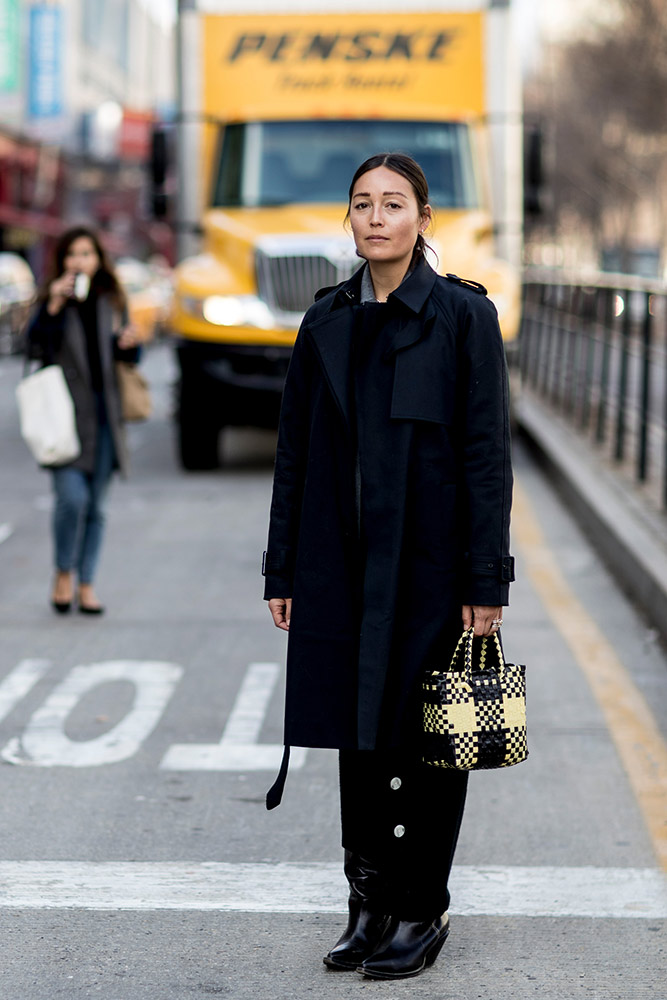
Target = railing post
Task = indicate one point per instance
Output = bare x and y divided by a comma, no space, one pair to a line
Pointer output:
548,338
524,331
608,296
570,381
560,367
664,389
552,367
645,397
590,333
533,363
619,451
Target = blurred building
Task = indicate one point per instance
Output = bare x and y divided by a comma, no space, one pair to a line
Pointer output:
81,83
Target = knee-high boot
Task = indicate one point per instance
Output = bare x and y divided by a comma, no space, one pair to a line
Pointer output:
368,918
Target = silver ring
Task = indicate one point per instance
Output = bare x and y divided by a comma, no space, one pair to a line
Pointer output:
497,622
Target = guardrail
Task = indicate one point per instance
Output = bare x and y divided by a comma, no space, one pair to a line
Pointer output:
594,349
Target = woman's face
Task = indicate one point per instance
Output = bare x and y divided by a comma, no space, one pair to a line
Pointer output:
82,256
385,216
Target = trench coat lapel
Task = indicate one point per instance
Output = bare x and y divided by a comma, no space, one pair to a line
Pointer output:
412,294
407,329
332,338
105,325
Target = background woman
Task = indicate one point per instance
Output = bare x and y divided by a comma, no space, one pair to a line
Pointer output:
81,324
389,533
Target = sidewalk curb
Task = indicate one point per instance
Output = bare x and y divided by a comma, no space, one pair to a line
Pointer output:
630,539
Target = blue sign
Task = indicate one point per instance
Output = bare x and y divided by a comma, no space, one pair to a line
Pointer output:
9,46
45,70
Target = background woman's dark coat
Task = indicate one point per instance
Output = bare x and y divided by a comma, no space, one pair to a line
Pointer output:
61,339
437,534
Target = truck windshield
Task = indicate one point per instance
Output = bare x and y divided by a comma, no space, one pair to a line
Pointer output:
276,163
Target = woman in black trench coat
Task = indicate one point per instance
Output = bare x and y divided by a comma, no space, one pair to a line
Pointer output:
389,533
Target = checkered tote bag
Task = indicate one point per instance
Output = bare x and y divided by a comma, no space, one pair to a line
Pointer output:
475,712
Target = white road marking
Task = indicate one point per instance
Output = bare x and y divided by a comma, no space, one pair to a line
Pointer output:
16,685
315,887
45,743
6,531
238,750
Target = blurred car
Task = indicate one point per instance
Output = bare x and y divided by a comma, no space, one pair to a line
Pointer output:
148,290
17,291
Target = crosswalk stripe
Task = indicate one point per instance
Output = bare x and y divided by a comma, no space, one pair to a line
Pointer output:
318,887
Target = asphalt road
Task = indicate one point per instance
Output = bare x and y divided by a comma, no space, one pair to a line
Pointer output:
137,860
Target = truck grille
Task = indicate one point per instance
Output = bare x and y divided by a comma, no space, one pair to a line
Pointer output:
288,277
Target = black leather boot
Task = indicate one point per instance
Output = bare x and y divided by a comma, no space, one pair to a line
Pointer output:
367,921
407,948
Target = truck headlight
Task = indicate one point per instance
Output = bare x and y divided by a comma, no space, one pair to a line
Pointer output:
230,310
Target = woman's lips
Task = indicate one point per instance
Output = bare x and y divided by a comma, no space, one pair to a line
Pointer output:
377,239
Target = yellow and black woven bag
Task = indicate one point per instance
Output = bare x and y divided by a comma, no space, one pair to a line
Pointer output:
475,713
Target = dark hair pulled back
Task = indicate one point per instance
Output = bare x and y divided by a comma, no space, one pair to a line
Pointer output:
408,168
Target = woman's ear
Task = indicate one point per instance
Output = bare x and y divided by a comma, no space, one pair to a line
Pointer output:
426,219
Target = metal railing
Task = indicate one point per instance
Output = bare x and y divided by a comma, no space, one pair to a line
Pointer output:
595,351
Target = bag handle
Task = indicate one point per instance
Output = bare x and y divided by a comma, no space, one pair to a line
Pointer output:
497,649
465,645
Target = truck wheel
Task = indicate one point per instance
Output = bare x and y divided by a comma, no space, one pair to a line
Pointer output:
198,447
198,436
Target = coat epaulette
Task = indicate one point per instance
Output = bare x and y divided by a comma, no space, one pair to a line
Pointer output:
321,292
467,283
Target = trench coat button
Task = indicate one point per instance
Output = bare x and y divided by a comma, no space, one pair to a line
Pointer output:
395,784
399,830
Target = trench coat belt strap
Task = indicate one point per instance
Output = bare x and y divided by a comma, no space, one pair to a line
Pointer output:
275,792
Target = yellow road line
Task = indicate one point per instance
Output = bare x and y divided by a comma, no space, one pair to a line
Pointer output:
629,719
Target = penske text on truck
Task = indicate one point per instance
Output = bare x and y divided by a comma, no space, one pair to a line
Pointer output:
279,109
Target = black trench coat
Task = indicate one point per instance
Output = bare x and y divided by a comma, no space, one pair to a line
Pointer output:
437,536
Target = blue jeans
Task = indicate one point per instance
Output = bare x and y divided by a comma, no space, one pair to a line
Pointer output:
78,516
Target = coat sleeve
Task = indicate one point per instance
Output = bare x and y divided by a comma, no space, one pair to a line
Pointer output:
486,457
45,333
289,478
131,355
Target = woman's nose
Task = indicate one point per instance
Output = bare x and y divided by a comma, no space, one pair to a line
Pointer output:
376,217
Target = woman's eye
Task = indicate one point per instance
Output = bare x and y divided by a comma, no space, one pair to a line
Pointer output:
361,204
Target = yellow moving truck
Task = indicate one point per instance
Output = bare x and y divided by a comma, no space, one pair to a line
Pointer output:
278,110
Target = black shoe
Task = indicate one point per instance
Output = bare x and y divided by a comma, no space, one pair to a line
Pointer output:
62,607
87,609
407,948
361,937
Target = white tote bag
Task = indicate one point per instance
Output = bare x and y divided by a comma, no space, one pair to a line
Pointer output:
46,412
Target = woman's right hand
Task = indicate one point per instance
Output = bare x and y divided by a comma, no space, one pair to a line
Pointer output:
60,291
281,611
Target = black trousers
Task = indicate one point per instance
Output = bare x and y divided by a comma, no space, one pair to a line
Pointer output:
403,816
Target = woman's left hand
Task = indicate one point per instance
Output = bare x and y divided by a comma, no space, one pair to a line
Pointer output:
486,620
128,338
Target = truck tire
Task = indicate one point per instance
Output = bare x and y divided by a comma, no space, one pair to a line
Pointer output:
198,438
197,451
